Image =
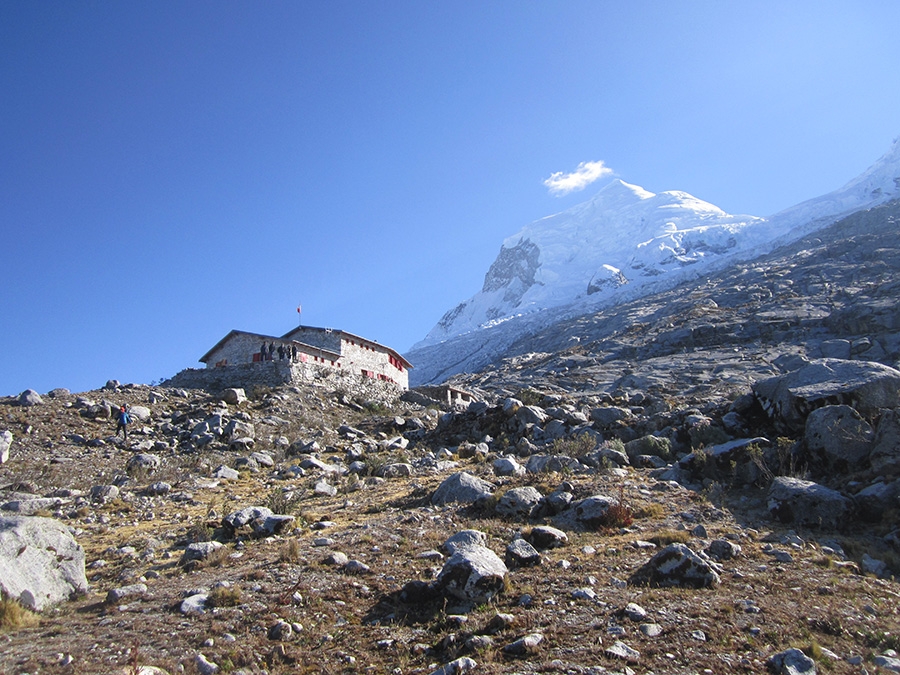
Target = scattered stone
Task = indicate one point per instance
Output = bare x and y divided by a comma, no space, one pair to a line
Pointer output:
464,539
519,502
234,396
792,662
524,645
619,650
117,594
544,537
461,488
456,667
199,550
205,666
519,553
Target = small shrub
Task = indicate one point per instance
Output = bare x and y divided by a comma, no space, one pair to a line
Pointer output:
573,446
283,502
618,514
290,551
224,596
530,397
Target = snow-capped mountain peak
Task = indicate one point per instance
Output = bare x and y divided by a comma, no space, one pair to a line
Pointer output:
623,235
623,242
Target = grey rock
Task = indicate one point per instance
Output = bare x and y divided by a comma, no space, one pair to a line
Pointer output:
619,650
281,630
199,550
519,502
261,520
464,539
31,506
159,488
524,645
140,413
884,457
789,398
396,470
591,512
336,558
839,436
792,500
791,662
508,466
519,553
325,489
472,574
530,414
456,667
29,398
461,488
544,537
142,463
722,549
677,565
226,473
607,417
41,564
651,629
891,663
874,500
263,459
551,463
237,429
205,666
234,396
635,612
117,594
101,494
194,604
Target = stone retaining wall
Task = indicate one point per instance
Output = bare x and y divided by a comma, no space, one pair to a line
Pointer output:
276,373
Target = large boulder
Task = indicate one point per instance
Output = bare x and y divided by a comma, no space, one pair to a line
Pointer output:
41,564
865,385
473,574
839,437
802,502
677,565
461,487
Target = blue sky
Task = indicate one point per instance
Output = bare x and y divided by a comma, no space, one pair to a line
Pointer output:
172,170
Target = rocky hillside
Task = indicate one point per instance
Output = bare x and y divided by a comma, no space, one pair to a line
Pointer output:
703,481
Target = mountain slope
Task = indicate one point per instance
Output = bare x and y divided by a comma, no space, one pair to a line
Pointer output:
622,244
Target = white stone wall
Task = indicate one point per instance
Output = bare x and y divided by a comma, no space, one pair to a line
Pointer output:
373,360
236,350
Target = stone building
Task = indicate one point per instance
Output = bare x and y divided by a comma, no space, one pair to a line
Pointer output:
307,347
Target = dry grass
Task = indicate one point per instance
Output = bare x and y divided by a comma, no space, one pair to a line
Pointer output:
13,616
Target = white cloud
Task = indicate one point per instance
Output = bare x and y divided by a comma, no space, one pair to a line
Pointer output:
561,183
